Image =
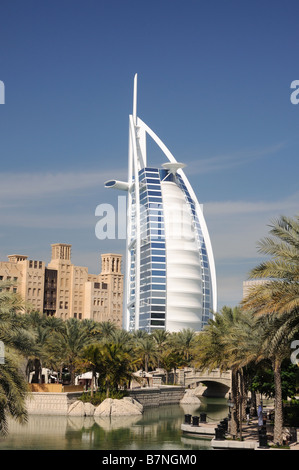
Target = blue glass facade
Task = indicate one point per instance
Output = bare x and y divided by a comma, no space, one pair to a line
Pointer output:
153,269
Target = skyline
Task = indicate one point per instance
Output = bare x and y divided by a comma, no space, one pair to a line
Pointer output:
214,85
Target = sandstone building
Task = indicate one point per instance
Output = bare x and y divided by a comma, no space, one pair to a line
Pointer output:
65,290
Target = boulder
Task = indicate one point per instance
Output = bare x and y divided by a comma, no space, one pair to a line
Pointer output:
134,402
89,409
104,409
190,398
78,408
114,407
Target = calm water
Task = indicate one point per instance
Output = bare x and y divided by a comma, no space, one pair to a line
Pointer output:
157,429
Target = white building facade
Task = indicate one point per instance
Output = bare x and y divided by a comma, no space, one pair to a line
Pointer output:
170,269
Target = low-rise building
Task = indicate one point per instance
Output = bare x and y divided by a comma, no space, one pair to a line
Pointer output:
64,290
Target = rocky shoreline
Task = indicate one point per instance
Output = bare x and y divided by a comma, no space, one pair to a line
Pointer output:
69,403
126,406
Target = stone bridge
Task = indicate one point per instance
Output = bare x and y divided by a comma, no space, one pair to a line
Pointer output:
213,383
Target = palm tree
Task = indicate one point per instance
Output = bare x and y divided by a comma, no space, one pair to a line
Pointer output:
65,346
13,391
276,334
277,298
122,338
169,360
115,367
13,386
107,328
184,341
243,344
146,352
90,359
213,350
279,293
161,338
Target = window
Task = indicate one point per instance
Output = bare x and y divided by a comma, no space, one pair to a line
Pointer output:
155,181
155,187
158,286
159,273
158,280
147,168
158,315
158,245
158,301
158,258
158,266
158,308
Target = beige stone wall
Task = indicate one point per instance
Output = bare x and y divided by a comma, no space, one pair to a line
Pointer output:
39,403
45,403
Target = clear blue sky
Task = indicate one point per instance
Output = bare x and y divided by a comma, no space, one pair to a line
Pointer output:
213,83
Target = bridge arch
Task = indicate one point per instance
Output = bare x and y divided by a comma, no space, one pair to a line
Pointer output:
209,384
212,388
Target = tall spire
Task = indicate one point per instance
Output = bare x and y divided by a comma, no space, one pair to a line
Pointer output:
135,100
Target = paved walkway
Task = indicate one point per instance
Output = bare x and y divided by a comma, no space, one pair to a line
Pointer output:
250,433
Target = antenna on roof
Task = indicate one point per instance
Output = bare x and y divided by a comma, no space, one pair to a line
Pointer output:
135,100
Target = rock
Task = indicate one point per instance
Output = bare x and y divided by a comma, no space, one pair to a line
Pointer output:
199,390
104,409
124,407
78,408
89,409
190,398
135,402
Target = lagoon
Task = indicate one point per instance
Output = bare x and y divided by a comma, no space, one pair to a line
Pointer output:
157,429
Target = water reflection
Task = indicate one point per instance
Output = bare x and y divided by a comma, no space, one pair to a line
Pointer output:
158,428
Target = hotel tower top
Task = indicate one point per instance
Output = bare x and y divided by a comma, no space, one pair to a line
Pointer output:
170,271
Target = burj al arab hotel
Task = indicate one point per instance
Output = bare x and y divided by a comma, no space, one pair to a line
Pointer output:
170,270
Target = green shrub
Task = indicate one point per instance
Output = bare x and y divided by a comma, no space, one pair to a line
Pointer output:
100,396
291,413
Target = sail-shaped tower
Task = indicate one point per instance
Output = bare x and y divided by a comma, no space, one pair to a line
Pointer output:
170,270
